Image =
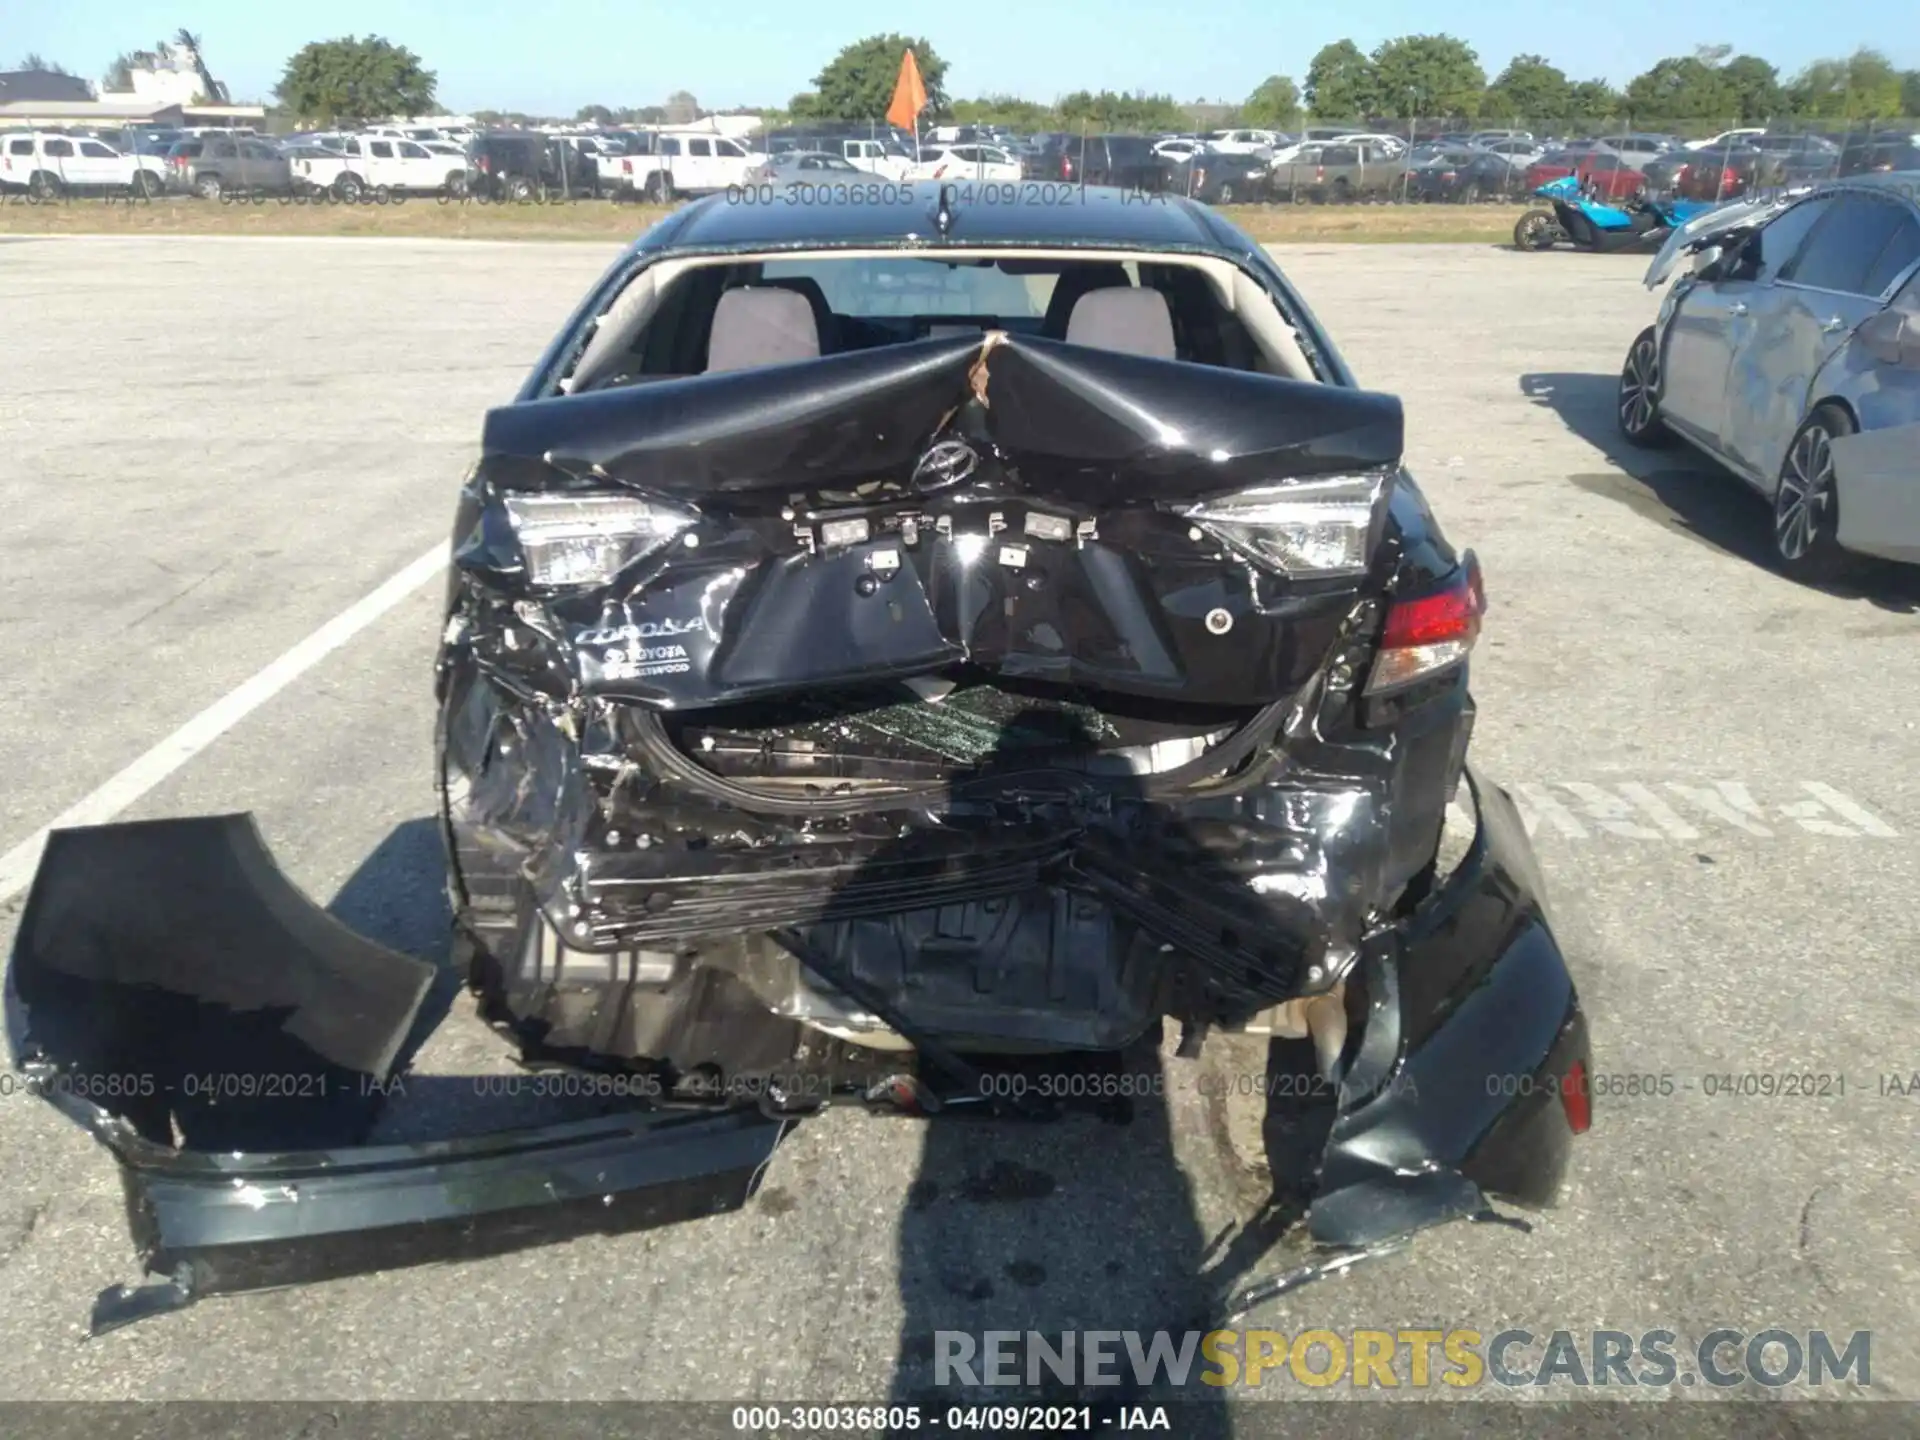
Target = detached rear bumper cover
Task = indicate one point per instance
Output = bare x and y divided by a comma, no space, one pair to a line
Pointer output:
231,1043
174,994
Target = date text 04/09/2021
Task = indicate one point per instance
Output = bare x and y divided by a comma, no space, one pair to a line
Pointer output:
961,1419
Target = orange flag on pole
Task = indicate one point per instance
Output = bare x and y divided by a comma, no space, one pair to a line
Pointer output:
909,96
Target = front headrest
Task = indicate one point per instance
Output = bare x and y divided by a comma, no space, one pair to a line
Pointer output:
761,326
1132,321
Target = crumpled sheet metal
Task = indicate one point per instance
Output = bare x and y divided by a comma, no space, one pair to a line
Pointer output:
1095,426
231,1043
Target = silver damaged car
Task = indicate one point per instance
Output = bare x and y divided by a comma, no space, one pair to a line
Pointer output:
1791,355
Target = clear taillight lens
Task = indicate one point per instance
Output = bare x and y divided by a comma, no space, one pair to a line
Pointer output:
588,539
1317,529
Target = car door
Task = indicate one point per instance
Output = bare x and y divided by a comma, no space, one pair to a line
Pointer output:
419,170
1712,318
673,157
267,167
1819,299
382,165
57,154
98,166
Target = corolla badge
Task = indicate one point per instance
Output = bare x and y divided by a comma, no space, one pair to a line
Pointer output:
947,462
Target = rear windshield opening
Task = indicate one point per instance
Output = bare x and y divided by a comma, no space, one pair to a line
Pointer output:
661,327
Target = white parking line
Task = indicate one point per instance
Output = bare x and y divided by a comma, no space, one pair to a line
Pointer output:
1631,810
18,864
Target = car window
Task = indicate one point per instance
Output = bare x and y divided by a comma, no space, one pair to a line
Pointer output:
259,152
380,149
411,151
1340,155
223,150
669,146
95,150
728,148
1901,250
1774,247
965,154
898,285
702,148
1846,245
20,147
60,149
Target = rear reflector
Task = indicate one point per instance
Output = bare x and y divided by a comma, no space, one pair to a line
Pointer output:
1430,633
1574,1098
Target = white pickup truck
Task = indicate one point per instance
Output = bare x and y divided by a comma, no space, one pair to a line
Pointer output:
49,165
373,164
658,166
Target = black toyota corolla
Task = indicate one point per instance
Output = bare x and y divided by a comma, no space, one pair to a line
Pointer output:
896,636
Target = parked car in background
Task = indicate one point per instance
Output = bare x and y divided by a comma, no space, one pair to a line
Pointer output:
1708,172
1336,174
966,162
380,165
1603,174
1179,148
1791,355
210,166
1490,139
509,165
1726,139
806,167
1381,143
1879,154
1637,148
1218,177
698,164
1462,174
1248,142
47,165
1127,161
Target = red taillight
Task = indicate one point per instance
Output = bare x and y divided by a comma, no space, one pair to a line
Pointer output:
626,167
1430,633
1448,175
1319,172
486,165
1574,1098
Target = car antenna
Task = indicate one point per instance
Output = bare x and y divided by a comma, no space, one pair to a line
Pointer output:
943,212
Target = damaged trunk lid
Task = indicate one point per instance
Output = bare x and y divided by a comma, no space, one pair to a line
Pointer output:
897,564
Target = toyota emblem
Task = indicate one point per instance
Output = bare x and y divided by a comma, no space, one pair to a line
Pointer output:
947,462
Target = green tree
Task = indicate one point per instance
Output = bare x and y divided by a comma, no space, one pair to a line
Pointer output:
593,115
682,108
1593,103
1681,87
1864,86
1008,110
1273,105
857,84
33,60
1428,75
1109,110
1756,84
355,78
1910,93
1528,89
1341,83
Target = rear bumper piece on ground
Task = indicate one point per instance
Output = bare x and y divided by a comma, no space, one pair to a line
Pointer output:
230,1042
1473,1025
237,1095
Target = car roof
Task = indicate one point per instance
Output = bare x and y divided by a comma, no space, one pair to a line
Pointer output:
903,215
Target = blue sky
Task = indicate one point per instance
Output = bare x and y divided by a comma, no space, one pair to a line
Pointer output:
550,59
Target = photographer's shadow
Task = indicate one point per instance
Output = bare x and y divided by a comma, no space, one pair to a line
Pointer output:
1079,1217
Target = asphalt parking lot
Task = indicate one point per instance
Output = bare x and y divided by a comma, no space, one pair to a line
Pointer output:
214,448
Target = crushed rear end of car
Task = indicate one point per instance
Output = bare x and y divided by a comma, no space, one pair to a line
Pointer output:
853,728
